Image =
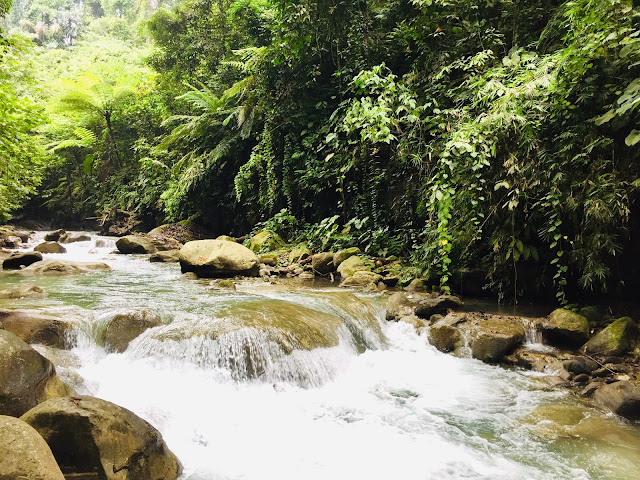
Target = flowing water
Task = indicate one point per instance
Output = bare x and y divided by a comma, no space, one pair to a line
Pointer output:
252,404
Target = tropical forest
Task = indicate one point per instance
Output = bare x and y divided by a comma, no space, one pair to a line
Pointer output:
321,239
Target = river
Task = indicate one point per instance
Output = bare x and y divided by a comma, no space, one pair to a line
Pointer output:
382,404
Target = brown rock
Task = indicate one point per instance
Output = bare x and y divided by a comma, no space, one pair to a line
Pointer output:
87,434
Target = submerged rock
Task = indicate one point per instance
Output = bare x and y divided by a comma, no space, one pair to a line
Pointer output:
50,247
292,327
26,377
565,328
35,327
135,244
63,267
24,454
87,435
18,260
218,258
622,398
26,290
124,327
615,339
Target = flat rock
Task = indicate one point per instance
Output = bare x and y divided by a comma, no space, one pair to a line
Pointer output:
495,337
50,247
63,267
26,290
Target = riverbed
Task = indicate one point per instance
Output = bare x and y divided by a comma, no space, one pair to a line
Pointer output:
381,404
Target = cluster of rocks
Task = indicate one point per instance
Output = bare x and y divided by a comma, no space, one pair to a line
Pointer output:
11,237
33,263
47,431
604,366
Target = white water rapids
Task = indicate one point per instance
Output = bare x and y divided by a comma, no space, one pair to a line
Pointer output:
381,405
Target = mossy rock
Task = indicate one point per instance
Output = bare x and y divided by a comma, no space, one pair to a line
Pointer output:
616,339
298,253
351,265
342,255
361,278
265,241
565,328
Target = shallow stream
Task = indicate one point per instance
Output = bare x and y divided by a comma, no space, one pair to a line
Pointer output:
382,404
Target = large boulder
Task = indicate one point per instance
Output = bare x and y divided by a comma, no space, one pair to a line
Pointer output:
440,305
252,339
565,328
402,304
622,398
63,267
50,247
26,377
89,435
265,241
218,258
71,237
181,232
361,278
323,263
124,327
169,256
135,244
445,337
615,339
54,236
351,265
493,338
24,454
341,255
18,260
26,290
35,327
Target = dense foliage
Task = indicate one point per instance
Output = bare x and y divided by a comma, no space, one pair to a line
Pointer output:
491,136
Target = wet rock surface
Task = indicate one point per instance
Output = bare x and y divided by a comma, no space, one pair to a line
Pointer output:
88,435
